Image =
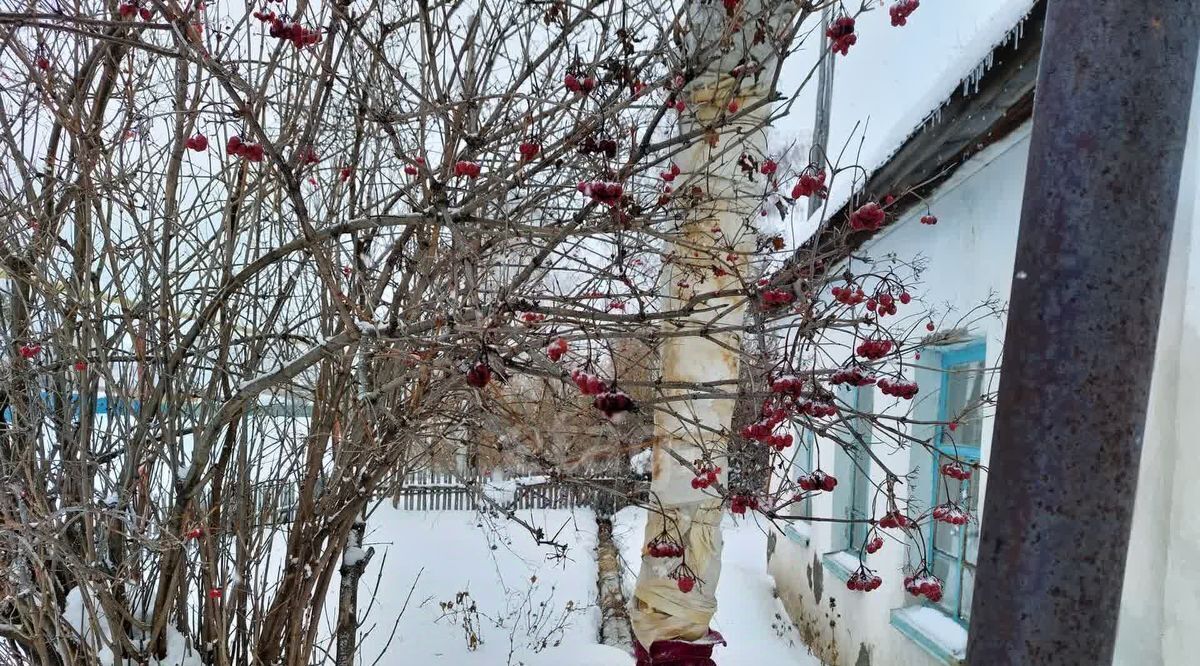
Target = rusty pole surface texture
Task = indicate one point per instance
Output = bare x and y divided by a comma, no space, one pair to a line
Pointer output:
1106,149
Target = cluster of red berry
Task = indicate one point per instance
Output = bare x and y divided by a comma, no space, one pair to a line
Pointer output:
901,10
556,349
788,385
817,408
671,172
588,383
948,513
308,155
763,430
885,304
283,28
739,503
812,182
467,169
841,32
731,6
817,480
685,583
608,194
532,318
414,169
580,86
853,377
30,350
593,146
769,167
849,295
929,219
874,348
706,475
663,546
197,143
956,471
127,10
875,544
253,152
895,519
479,375
529,150
773,298
613,403
863,581
924,585
899,388
868,217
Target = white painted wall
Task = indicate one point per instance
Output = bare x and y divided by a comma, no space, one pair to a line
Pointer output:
970,255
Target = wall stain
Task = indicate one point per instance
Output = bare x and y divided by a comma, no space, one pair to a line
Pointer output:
818,579
864,656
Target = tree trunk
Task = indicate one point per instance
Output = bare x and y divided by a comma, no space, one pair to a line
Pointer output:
354,562
672,625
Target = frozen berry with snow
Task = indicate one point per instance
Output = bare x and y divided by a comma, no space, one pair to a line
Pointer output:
868,217
556,349
479,375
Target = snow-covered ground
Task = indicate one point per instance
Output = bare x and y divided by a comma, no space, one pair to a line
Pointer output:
749,616
509,598
433,556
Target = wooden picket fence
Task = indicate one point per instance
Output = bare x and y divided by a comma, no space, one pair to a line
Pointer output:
274,502
439,491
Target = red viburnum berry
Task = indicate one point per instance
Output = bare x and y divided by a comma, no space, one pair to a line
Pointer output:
686,584
234,145
868,217
863,581
773,298
614,403
788,385
905,298
214,593
874,348
556,349
898,388
30,350
127,10
466,169
875,544
733,106
198,143
929,326
739,503
145,13
841,35
603,192
956,471
768,168
479,375
902,10
811,183
929,219
42,62
81,365
588,384
345,173
529,150
895,519
671,172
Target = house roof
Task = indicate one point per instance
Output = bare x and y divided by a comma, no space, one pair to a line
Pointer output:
998,100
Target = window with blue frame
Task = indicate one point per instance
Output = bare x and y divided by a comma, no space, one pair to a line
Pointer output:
954,548
852,497
804,457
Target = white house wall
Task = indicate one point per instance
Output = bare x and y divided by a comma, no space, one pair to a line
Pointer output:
970,255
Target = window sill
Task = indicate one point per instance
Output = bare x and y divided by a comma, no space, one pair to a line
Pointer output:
797,532
934,631
841,564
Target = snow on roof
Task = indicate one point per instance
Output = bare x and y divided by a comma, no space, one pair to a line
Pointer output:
895,80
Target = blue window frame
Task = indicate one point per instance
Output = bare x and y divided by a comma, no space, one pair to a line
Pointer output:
804,456
852,497
953,549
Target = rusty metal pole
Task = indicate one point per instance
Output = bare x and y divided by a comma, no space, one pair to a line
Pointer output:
1109,128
